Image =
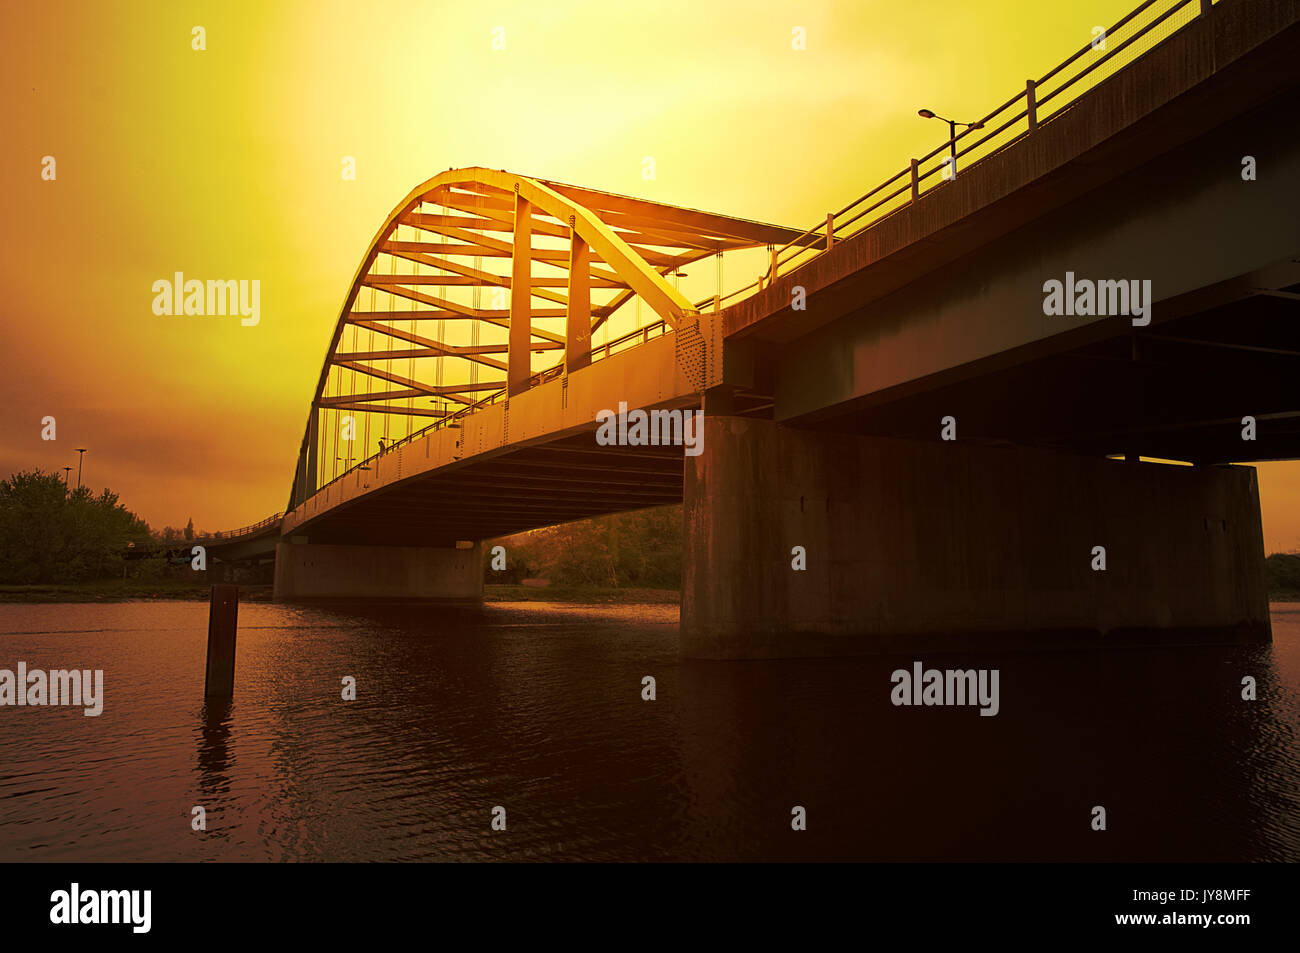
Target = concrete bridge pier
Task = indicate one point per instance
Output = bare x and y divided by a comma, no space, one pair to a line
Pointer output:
918,545
316,571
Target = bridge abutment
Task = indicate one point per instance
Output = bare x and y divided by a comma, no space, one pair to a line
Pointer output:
914,545
311,571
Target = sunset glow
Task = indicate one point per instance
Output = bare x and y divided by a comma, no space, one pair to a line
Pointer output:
225,163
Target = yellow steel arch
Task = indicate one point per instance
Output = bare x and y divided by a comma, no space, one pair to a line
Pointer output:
575,255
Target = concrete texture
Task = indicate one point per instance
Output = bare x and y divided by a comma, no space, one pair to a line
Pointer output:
317,571
940,545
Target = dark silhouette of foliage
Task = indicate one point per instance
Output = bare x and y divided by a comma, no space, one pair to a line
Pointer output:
1283,572
640,549
50,533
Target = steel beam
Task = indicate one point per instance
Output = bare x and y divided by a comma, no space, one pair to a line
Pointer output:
578,325
519,356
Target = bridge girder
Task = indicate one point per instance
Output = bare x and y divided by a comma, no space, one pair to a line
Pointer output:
575,257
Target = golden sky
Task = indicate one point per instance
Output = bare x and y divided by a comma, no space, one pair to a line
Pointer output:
225,163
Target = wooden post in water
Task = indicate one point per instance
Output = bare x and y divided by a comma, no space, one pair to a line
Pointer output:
223,615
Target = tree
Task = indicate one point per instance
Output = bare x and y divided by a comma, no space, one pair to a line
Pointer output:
642,548
189,530
1283,572
49,533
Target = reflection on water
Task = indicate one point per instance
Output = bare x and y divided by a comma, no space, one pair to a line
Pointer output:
538,708
213,748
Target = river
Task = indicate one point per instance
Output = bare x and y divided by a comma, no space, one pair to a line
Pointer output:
537,708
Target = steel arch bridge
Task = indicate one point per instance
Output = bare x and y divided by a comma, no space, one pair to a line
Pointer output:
482,283
923,294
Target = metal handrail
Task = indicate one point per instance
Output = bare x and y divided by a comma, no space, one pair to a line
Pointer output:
1028,101
245,530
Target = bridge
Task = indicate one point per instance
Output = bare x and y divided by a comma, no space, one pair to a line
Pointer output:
944,398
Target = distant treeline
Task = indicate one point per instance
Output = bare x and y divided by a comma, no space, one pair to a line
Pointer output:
1283,573
641,549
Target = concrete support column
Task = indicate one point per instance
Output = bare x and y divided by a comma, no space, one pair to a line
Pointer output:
913,545
305,571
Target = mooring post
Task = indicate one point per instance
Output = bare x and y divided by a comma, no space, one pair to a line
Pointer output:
223,615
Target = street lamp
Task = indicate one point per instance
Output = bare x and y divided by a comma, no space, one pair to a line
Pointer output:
443,406
67,475
952,131
81,451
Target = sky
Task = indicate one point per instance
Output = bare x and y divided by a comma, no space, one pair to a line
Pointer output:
225,163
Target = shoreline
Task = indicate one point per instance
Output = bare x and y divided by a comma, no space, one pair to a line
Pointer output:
170,591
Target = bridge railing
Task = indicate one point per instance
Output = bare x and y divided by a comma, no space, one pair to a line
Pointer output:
245,530
621,343
631,339
1128,39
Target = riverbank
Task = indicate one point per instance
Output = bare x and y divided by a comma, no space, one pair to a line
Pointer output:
135,590
127,590
579,594
162,590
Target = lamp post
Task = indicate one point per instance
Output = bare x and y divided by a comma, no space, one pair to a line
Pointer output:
442,406
81,454
67,476
952,131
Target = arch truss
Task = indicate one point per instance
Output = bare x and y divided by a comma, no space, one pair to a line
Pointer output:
480,284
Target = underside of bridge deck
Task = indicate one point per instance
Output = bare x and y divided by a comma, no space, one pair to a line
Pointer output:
1182,391
542,485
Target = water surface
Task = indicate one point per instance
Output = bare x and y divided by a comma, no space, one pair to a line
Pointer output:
537,708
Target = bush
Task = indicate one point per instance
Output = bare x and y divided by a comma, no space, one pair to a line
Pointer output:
49,533
1283,572
640,549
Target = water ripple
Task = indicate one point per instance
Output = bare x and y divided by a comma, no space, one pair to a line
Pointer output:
537,708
